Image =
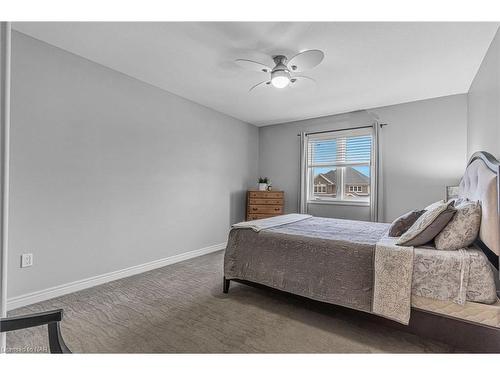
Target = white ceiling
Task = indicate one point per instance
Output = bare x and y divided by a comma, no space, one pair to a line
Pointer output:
366,64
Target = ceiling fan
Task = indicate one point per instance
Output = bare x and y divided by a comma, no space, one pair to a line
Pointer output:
280,76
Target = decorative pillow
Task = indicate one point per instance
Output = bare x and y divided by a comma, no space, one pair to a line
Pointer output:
463,229
428,225
434,205
405,221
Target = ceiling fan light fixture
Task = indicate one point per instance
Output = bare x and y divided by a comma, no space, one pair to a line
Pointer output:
280,74
280,79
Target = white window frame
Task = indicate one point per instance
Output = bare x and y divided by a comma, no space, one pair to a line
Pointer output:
340,196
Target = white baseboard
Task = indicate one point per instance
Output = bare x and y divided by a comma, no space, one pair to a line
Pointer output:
45,294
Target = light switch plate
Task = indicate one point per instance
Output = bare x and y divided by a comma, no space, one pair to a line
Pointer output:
26,260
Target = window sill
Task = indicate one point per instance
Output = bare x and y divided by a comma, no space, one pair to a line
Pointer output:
340,203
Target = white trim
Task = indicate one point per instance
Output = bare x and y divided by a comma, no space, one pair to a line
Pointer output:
339,202
5,76
57,291
340,165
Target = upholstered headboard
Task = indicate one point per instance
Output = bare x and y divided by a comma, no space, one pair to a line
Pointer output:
480,182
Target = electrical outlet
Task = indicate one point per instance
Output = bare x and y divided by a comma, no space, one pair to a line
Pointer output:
26,260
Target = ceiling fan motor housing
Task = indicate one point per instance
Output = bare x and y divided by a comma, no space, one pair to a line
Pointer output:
280,62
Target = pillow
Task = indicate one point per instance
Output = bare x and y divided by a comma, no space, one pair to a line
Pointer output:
434,205
428,225
405,221
463,229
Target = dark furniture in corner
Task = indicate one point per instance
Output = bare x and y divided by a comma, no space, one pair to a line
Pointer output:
51,318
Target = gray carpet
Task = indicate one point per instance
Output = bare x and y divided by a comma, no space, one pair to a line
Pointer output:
181,309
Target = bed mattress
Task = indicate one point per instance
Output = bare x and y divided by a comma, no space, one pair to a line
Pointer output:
331,260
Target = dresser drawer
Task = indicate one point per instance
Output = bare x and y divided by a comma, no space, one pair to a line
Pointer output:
265,209
258,216
265,194
264,204
276,202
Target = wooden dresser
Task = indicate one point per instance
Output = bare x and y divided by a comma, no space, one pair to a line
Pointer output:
262,204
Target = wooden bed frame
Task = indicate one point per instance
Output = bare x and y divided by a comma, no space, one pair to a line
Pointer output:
463,335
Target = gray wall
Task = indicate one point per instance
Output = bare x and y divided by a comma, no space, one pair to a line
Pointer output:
109,172
423,150
484,104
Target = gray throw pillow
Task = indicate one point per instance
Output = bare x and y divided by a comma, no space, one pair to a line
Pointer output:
404,222
428,225
463,229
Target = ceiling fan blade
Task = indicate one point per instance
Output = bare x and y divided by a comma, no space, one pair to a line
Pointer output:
299,80
260,84
253,65
306,60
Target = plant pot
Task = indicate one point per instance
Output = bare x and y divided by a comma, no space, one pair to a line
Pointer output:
262,187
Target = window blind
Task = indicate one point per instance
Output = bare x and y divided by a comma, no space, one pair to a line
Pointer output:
339,150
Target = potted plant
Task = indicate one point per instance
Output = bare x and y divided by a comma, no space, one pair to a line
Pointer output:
263,181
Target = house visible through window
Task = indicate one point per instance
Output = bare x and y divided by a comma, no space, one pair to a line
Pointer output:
320,188
338,166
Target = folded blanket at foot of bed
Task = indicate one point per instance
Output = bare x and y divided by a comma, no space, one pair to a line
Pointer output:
393,278
261,224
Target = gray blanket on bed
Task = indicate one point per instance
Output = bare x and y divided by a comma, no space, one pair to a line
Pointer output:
333,261
327,260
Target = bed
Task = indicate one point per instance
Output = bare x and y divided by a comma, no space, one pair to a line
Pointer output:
353,264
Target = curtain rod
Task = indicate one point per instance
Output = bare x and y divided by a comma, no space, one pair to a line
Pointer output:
339,130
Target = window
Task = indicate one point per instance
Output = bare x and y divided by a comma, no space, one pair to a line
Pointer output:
338,166
319,188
